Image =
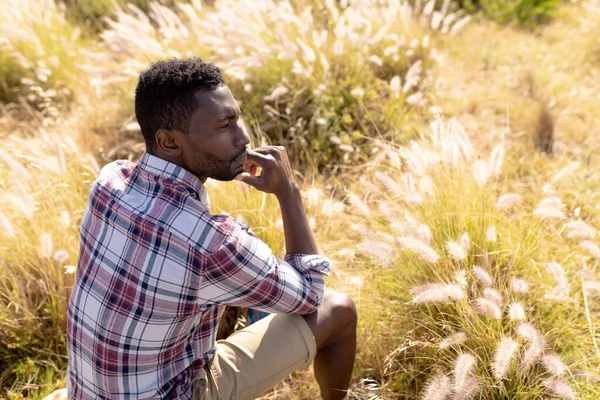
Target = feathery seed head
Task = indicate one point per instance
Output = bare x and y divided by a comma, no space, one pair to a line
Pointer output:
467,390
503,357
591,247
546,212
482,276
423,232
313,196
416,158
65,219
465,363
529,333
560,276
556,297
19,170
590,287
579,230
496,160
491,234
493,295
507,201
438,388
569,169
422,250
357,92
389,184
465,241
453,340
380,251
437,293
487,308
276,93
370,187
519,285
356,281
480,172
585,274
461,278
359,205
551,201
346,253
559,388
534,350
46,245
426,185
455,251
395,84
6,225
548,190
70,269
532,354
554,364
385,236
61,256
516,312
331,207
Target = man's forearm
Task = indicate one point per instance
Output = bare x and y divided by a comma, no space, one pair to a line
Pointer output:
298,235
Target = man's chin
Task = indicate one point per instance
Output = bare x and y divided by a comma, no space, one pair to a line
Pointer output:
226,177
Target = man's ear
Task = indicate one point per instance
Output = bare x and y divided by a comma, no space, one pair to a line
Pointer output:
168,142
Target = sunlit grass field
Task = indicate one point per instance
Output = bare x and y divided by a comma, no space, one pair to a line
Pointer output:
449,168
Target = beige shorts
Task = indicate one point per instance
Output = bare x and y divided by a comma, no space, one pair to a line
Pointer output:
254,359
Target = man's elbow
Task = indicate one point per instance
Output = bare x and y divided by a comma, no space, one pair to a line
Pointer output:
310,305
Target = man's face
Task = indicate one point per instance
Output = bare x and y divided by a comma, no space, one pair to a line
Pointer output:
215,146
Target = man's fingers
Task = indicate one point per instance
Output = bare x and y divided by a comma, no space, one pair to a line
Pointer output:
251,168
262,160
274,151
254,181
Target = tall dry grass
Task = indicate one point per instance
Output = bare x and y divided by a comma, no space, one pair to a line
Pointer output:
298,68
39,50
466,269
485,285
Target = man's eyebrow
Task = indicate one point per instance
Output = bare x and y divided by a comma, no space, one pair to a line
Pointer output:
230,114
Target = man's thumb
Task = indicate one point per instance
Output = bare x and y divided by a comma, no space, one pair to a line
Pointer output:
248,179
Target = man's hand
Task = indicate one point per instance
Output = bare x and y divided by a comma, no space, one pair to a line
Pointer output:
276,176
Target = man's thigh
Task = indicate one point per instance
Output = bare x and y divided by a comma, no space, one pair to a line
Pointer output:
254,359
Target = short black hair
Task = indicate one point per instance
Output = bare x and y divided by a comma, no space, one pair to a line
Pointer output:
164,96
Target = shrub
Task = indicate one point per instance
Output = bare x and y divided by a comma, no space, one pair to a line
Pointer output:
489,289
39,52
529,13
91,13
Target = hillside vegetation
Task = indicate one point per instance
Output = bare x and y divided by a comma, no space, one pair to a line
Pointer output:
448,155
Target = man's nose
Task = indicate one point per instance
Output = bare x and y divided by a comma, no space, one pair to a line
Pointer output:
243,138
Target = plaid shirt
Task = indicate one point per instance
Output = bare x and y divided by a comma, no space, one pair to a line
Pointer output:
155,272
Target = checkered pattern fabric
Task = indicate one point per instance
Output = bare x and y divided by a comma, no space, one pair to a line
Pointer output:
155,272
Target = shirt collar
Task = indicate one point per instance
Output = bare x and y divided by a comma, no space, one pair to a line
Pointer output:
169,170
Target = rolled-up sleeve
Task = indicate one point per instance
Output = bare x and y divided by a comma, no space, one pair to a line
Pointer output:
244,272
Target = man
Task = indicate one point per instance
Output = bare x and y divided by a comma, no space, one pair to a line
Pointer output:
156,269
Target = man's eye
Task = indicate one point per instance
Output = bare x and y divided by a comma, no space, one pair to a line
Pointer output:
225,126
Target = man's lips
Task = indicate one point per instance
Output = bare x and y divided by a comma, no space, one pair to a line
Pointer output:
241,158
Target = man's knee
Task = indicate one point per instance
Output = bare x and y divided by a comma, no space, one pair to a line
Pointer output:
341,308
334,319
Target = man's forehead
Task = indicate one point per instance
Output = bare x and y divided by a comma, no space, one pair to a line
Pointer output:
220,97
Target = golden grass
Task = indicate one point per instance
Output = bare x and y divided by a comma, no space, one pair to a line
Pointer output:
40,50
432,297
493,79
